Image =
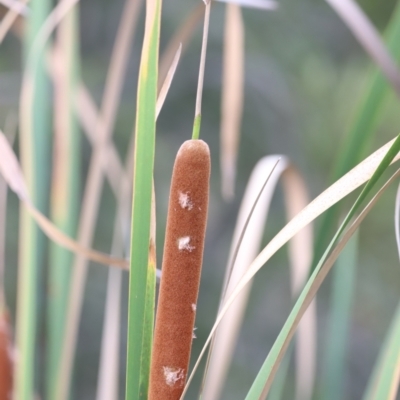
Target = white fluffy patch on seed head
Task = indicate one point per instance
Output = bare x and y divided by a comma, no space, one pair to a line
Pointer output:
194,306
184,244
173,375
184,201
193,334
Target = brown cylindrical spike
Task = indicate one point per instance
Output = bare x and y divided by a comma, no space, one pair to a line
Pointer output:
183,256
5,357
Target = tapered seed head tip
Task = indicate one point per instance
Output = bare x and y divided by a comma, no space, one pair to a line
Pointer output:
194,147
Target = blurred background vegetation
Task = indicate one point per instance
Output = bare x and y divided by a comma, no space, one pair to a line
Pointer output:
305,75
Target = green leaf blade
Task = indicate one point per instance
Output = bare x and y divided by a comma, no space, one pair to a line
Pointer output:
140,311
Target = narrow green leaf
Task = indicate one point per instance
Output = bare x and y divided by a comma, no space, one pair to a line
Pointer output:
265,376
141,276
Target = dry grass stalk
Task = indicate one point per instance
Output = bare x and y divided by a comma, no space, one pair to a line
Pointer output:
232,97
183,255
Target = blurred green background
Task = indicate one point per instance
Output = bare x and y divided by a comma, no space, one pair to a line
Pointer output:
305,75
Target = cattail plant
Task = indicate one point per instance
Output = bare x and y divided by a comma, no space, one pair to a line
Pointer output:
157,365
183,256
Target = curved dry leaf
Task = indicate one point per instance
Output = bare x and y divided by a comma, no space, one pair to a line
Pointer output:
365,32
340,189
60,238
12,173
232,97
301,252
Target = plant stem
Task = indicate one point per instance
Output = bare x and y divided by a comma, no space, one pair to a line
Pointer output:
200,84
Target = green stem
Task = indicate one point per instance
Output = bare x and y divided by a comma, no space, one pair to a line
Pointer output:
196,127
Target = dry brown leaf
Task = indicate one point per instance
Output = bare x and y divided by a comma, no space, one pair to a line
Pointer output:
232,97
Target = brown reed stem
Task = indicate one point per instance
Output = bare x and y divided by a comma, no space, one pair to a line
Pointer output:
181,269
